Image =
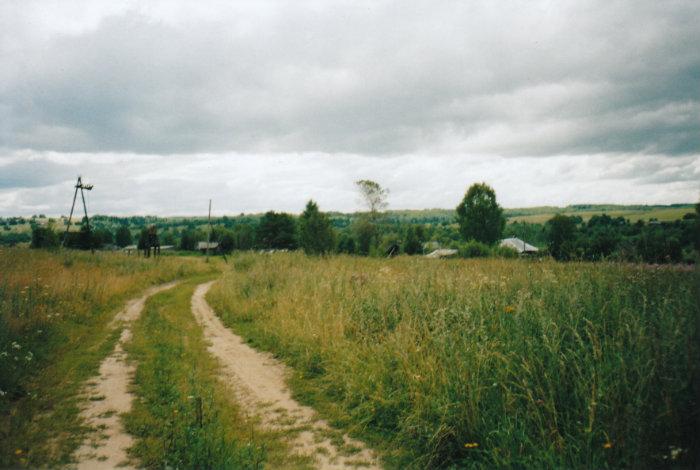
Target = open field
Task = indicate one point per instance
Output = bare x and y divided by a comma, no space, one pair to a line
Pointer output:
488,363
425,363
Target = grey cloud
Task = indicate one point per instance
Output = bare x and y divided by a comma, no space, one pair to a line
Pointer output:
181,185
33,173
535,79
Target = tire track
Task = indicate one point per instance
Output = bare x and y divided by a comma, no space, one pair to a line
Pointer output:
258,380
107,396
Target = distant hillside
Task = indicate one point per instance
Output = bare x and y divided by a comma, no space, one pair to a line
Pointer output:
543,213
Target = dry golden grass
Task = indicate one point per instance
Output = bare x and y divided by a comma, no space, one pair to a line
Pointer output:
54,312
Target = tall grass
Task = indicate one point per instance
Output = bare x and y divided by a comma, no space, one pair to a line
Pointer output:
483,363
54,312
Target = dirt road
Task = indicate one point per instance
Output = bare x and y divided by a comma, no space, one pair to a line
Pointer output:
258,380
107,396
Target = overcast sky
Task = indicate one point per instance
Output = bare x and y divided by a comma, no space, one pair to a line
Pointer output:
263,105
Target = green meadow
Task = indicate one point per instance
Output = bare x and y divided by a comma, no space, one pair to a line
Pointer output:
482,363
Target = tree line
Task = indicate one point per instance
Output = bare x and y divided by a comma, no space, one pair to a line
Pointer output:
477,227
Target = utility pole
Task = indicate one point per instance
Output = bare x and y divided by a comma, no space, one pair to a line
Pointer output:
79,185
209,236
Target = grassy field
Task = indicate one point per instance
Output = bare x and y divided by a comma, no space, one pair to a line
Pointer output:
482,363
54,314
664,214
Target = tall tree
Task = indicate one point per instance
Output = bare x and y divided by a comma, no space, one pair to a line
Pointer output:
316,235
373,195
123,236
276,230
479,215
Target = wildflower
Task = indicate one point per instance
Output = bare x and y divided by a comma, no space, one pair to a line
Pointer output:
471,445
16,345
2,393
18,451
607,445
509,309
675,452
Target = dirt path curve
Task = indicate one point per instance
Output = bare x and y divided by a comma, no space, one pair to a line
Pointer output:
107,396
258,380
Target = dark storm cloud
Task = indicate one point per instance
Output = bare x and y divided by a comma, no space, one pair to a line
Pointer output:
536,78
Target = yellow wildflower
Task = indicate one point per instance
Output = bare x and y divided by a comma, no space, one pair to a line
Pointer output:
607,445
509,309
18,452
471,445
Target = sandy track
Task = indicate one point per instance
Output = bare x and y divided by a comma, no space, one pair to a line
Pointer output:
258,380
108,396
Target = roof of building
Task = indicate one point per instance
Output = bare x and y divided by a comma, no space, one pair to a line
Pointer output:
518,245
203,245
441,253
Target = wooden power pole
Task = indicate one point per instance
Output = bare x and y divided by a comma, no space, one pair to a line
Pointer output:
79,185
209,235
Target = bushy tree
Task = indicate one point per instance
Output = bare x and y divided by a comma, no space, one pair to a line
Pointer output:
365,235
479,215
561,236
276,230
316,235
413,240
103,236
123,236
346,243
188,240
474,249
244,237
44,237
227,241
